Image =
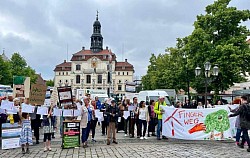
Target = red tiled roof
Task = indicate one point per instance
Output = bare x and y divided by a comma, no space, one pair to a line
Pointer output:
65,66
124,66
84,55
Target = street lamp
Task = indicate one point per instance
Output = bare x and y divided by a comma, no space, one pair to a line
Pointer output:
207,67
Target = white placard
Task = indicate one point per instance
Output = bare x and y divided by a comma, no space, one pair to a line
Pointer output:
42,110
13,111
79,106
57,112
77,113
7,105
10,143
27,108
126,114
67,112
131,108
2,111
99,115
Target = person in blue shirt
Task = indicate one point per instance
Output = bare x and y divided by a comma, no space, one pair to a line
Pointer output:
98,103
102,108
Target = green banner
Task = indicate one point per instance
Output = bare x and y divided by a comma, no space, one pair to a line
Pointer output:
18,80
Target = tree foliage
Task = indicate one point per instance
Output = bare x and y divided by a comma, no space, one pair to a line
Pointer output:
50,83
218,37
16,66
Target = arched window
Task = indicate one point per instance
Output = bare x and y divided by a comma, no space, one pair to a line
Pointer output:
78,78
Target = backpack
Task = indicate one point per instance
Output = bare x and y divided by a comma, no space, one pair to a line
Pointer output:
247,111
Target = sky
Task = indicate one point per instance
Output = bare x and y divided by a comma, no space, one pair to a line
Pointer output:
44,31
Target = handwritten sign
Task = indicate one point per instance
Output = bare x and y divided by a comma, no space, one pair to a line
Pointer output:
197,124
67,112
37,94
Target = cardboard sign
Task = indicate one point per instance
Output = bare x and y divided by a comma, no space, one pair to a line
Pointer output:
37,94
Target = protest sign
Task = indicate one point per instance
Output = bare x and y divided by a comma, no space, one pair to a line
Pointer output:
7,105
42,110
57,112
99,115
10,135
131,108
37,94
77,113
67,112
126,114
196,124
27,108
71,134
21,86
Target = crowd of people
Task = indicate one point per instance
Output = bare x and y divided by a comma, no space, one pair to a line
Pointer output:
144,120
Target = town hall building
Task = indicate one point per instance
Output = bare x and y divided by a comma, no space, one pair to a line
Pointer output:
95,68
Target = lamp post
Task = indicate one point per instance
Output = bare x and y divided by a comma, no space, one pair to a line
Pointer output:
207,67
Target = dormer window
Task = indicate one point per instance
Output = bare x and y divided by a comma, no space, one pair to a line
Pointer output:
104,57
83,57
123,68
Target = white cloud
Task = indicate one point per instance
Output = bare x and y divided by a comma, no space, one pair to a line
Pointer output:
41,31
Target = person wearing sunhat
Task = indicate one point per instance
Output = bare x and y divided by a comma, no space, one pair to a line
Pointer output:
159,111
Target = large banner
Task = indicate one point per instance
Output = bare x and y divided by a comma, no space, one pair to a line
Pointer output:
197,124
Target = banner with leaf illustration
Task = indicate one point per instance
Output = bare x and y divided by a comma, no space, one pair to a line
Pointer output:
198,124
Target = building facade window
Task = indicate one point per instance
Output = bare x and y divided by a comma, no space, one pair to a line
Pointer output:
78,79
119,87
63,73
59,73
118,73
66,73
107,67
88,79
99,79
78,67
123,73
127,73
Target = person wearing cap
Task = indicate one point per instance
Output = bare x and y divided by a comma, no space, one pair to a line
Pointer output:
159,111
112,113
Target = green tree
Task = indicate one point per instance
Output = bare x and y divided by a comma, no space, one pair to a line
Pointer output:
220,38
5,73
50,83
19,67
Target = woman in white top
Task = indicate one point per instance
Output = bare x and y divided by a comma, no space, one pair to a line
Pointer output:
143,119
200,106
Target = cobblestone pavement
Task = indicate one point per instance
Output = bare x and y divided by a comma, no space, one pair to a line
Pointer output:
134,148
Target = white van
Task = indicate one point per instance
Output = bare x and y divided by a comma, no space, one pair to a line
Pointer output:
153,95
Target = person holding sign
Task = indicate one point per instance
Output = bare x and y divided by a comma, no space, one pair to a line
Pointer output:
159,111
47,129
104,122
93,120
26,132
112,112
84,123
